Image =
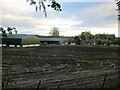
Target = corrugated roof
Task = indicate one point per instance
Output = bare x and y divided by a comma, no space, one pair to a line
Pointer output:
53,39
17,36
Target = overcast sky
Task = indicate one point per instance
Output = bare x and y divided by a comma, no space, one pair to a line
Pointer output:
75,17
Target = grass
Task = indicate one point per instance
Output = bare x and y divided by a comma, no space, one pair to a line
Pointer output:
113,84
5,69
6,76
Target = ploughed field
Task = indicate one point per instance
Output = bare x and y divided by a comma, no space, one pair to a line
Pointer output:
60,66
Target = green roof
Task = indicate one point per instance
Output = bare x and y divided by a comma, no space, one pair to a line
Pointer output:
17,36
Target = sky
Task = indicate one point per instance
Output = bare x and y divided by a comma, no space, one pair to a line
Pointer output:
76,17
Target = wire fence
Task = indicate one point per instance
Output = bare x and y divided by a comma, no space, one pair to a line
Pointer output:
97,81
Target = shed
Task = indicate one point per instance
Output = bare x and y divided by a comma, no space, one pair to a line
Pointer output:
94,41
57,41
20,39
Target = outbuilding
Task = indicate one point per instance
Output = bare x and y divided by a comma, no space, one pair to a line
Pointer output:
20,40
54,41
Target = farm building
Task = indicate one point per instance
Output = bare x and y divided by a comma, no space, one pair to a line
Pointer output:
20,40
54,41
94,42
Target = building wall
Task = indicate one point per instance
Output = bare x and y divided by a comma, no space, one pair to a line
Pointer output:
30,40
11,41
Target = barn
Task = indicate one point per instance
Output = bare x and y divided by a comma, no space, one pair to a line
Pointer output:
54,41
20,40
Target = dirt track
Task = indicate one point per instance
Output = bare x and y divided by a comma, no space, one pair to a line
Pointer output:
63,66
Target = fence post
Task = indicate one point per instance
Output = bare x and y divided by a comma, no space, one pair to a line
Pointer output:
38,85
104,80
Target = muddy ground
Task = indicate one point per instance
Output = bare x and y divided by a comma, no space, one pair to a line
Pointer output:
60,66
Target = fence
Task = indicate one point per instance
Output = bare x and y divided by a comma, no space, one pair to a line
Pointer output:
97,81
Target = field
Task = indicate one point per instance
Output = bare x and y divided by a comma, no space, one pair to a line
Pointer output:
60,67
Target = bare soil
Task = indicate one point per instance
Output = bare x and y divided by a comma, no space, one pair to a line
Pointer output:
61,66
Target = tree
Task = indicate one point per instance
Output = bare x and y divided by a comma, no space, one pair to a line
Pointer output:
116,41
77,40
54,32
99,43
85,35
56,6
3,32
9,30
15,30
118,5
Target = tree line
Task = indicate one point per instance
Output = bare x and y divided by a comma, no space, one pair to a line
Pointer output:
101,39
110,38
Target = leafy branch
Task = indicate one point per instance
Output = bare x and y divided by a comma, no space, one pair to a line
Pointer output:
56,6
118,5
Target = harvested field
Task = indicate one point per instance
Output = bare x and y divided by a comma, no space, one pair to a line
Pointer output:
60,66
